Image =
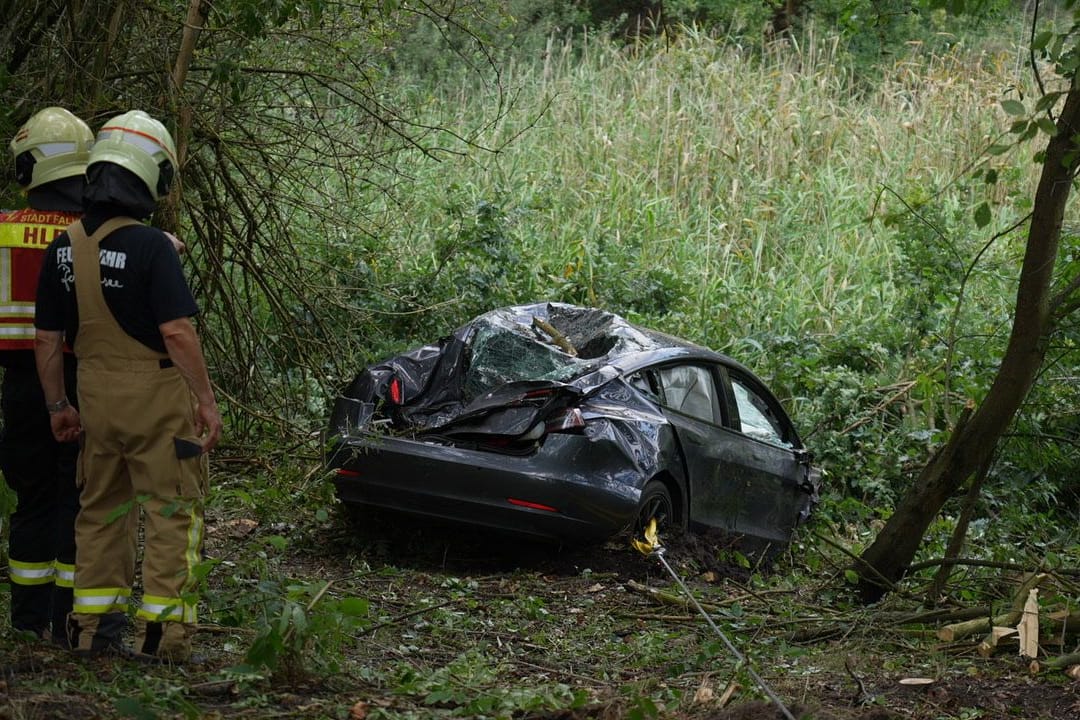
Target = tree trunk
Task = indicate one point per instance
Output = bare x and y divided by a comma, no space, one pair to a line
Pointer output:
956,542
169,213
971,443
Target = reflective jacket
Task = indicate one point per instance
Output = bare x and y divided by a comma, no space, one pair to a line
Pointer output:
24,235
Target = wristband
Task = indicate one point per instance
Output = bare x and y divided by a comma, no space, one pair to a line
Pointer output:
57,406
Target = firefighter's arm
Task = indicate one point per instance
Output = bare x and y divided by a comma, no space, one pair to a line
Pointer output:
49,356
182,344
177,243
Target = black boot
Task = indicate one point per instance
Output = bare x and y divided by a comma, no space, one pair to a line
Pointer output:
93,635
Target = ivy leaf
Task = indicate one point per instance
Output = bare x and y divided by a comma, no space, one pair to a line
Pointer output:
1047,126
354,607
1013,107
277,542
982,215
1047,101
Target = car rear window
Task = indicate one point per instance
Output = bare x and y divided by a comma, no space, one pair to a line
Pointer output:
568,343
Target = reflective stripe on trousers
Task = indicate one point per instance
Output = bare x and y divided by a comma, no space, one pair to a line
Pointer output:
162,609
98,601
42,573
27,573
65,574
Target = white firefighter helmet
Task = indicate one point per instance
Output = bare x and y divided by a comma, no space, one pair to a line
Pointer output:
141,144
53,144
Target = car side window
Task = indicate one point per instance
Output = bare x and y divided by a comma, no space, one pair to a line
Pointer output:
643,382
690,389
757,418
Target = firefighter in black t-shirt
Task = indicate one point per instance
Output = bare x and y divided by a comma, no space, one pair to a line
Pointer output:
114,288
50,153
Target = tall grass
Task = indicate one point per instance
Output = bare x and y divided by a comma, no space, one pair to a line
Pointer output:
813,222
757,180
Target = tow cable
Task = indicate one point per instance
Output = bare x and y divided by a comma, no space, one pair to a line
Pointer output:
650,547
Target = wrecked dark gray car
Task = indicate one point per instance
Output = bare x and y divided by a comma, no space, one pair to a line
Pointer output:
571,424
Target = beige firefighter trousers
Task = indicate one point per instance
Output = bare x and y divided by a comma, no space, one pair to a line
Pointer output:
138,417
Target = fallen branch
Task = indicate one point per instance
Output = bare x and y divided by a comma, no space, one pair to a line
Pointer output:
214,688
956,631
1063,661
406,616
975,562
557,337
817,634
659,618
224,629
1063,624
931,616
666,598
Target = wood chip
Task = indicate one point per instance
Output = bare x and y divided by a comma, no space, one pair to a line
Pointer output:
1029,626
916,681
704,694
730,690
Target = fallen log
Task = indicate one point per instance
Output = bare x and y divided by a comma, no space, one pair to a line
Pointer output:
1063,661
957,631
990,642
1063,622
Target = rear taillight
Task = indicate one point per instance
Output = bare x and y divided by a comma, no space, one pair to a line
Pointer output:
394,390
342,472
568,421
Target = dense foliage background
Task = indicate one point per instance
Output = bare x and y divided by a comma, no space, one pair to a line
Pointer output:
827,193
836,193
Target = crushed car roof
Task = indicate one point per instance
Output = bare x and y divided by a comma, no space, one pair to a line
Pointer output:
547,343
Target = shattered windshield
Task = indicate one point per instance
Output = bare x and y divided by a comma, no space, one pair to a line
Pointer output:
545,342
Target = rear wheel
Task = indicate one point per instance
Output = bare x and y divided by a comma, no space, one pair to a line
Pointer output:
655,503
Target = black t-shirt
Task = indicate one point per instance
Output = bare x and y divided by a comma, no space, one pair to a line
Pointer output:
141,279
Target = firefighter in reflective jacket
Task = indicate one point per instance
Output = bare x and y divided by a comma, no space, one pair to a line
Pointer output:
115,289
50,153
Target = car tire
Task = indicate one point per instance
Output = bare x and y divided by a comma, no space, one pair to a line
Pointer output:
655,503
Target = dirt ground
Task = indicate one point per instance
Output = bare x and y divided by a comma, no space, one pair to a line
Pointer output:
857,689
855,676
